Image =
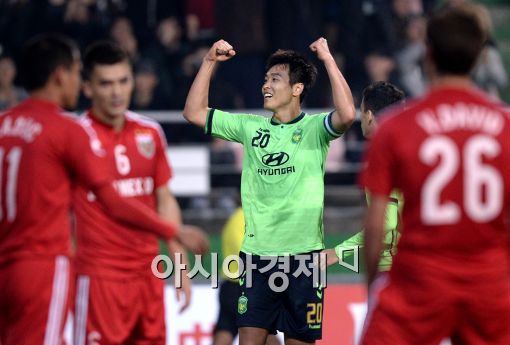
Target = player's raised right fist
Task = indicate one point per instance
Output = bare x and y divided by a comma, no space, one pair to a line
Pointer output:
220,51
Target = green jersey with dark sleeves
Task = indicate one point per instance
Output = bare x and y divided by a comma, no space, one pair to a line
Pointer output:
282,184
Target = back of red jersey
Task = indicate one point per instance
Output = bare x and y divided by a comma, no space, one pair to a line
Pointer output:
136,155
42,150
449,154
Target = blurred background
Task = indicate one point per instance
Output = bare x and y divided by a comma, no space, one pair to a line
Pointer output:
167,39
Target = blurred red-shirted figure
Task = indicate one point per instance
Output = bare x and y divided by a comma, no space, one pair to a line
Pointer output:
449,154
43,152
118,299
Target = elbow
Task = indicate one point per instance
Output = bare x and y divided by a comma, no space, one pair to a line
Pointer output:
188,114
345,117
195,115
350,116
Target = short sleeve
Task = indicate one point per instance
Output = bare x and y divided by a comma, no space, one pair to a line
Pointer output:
163,171
326,129
377,175
228,126
86,156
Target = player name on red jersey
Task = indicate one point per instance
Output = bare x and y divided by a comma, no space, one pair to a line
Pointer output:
25,128
136,186
460,116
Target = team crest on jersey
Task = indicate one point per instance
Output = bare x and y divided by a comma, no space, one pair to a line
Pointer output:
145,143
297,136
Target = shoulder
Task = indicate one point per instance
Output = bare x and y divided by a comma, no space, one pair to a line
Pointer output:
143,121
71,121
247,117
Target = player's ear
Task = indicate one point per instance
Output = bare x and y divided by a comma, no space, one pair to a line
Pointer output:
60,75
371,117
297,89
87,91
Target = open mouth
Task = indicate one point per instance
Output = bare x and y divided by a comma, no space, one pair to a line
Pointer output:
267,95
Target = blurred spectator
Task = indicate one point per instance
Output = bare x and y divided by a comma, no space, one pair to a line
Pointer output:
293,26
379,67
148,95
242,24
10,95
167,52
19,21
81,23
200,19
122,32
404,11
489,73
411,56
368,41
145,15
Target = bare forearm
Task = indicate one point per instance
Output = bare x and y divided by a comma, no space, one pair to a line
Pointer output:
373,248
197,102
169,209
345,111
135,213
374,234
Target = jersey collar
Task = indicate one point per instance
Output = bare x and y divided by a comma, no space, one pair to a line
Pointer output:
297,119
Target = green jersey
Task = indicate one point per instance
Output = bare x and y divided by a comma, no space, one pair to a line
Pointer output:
391,234
282,184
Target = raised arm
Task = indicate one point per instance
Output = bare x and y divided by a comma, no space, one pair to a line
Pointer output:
197,102
345,112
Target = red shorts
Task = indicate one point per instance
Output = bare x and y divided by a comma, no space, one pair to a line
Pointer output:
112,312
425,311
33,301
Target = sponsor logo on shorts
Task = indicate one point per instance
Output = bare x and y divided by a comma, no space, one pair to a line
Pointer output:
242,305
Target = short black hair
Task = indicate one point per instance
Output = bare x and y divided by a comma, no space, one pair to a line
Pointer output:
455,37
301,70
380,95
102,53
42,55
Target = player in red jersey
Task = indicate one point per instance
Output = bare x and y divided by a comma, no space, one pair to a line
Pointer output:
42,153
449,154
119,300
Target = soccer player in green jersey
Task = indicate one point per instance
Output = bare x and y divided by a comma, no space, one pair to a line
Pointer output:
282,185
376,97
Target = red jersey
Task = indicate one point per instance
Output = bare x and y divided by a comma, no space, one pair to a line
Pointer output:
137,158
449,154
42,151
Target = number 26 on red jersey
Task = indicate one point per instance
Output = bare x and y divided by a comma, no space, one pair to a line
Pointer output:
482,195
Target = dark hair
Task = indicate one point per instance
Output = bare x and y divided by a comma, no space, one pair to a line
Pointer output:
102,53
455,37
301,70
380,95
42,55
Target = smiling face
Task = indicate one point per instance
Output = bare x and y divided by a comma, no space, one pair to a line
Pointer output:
277,91
110,88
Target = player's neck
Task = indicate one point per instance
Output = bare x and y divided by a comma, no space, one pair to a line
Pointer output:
47,94
116,122
286,115
456,81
